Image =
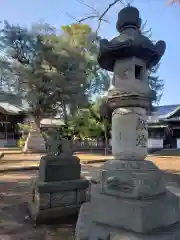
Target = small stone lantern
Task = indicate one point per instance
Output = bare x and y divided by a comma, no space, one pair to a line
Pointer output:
131,202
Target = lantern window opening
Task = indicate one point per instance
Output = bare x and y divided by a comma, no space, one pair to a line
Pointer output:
138,72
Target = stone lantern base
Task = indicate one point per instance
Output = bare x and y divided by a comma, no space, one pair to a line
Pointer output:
106,233
133,199
59,190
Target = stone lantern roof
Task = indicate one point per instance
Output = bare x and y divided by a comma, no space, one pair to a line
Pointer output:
130,43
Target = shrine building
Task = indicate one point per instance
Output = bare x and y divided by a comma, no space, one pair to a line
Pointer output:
164,127
11,113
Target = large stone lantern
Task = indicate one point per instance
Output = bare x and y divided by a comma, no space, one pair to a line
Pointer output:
131,202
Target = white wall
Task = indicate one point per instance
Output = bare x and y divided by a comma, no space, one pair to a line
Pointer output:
178,143
155,143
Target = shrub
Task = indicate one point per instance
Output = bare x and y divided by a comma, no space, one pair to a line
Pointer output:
21,142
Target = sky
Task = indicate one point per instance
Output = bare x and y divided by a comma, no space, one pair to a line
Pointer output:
163,19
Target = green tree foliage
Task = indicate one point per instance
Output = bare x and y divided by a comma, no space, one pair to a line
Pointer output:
57,72
87,121
156,84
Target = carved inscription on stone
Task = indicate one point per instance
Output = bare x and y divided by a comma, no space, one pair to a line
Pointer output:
133,165
115,183
141,140
63,198
133,186
141,124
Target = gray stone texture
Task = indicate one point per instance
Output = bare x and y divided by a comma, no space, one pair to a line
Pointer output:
106,233
63,198
135,215
41,200
129,42
46,187
131,179
88,228
58,168
59,189
56,199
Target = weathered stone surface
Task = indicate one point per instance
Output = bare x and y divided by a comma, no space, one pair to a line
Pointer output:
147,214
41,200
88,228
106,233
58,168
124,77
129,42
46,187
132,185
81,196
129,134
84,223
130,165
131,196
63,198
51,200
132,179
49,214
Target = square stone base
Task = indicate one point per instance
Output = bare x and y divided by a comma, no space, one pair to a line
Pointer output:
44,215
51,200
105,217
106,233
135,215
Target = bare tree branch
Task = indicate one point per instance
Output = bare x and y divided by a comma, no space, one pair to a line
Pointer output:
99,16
86,18
95,14
69,15
85,4
171,2
145,32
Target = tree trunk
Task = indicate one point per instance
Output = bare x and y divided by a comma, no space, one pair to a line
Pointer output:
35,142
65,113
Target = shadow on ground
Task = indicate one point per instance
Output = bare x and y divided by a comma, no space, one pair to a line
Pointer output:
167,152
15,223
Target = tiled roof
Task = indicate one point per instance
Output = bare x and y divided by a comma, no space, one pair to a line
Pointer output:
163,112
11,109
11,103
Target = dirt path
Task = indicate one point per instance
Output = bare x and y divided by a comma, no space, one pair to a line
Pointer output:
14,221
